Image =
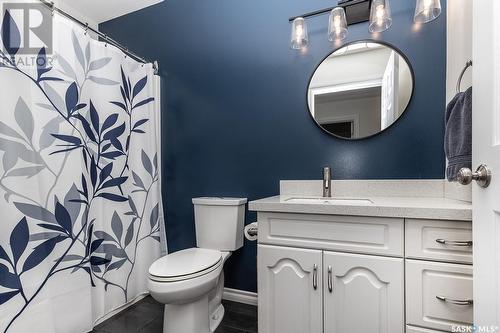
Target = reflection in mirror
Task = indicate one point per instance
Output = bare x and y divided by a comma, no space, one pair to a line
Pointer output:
360,90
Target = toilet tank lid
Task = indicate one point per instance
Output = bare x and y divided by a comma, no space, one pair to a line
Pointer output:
219,201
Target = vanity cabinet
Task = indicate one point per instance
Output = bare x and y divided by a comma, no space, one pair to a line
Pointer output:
322,273
302,290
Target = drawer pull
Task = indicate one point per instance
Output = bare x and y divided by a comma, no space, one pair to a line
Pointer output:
315,277
454,243
455,301
330,281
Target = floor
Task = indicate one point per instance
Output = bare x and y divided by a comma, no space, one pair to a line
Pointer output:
146,316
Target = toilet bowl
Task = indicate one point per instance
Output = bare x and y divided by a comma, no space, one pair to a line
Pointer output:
191,282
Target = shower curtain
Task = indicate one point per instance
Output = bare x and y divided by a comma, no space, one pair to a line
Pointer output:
81,215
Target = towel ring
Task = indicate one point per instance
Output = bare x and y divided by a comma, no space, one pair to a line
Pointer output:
459,82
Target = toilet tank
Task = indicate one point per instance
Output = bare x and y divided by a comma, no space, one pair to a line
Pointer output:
219,222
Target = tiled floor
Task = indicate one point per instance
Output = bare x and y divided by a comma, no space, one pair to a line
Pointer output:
147,317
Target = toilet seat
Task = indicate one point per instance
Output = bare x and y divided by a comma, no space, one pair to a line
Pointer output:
185,265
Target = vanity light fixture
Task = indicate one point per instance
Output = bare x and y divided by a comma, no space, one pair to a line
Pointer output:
427,10
337,26
300,37
380,16
377,12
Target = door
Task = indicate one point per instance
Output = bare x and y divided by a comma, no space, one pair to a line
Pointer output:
363,293
290,292
486,150
390,91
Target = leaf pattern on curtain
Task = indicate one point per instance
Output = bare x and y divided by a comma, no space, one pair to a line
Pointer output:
58,231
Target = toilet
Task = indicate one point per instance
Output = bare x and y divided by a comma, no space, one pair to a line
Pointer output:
190,282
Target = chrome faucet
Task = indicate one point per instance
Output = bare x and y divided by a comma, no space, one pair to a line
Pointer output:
327,182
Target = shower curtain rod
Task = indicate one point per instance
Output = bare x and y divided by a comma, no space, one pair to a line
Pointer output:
105,37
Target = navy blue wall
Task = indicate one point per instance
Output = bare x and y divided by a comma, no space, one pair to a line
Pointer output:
235,120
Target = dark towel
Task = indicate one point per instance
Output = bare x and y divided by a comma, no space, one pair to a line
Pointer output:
458,135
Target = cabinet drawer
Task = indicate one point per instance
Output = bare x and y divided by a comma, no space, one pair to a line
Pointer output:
428,281
413,329
371,235
439,240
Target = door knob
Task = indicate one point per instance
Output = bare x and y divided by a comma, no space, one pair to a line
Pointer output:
482,176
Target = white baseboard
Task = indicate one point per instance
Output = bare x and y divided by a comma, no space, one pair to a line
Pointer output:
240,296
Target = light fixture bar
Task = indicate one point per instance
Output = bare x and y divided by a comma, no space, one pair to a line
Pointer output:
356,11
311,14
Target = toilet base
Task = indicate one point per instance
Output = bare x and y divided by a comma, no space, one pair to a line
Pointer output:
216,318
187,318
192,317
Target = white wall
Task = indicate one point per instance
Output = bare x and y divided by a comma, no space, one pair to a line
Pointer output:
459,44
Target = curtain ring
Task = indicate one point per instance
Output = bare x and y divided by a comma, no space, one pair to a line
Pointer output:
106,40
86,28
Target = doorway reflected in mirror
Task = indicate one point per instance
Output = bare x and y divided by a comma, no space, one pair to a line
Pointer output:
360,89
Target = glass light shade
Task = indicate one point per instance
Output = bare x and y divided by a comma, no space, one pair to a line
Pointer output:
427,10
299,38
337,26
380,16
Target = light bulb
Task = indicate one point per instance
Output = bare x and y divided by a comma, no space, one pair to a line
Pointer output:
299,38
336,22
427,5
337,26
427,10
380,16
380,13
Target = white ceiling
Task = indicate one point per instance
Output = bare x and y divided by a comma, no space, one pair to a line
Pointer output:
99,11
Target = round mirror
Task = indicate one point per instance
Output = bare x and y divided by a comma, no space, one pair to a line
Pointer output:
360,89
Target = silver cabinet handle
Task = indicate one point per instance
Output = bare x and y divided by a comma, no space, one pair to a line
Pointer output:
315,277
454,243
330,281
455,301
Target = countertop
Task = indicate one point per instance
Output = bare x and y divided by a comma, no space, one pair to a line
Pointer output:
403,207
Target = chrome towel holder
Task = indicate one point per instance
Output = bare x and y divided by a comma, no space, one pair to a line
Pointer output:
459,82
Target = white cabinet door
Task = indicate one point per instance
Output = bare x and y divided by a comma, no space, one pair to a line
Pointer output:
363,293
290,290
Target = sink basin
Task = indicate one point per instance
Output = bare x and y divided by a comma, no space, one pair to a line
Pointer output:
330,201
